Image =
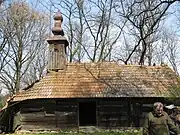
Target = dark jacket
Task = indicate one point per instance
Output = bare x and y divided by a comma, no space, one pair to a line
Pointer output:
158,125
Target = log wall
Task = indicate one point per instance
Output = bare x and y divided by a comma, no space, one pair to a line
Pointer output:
48,115
112,113
57,114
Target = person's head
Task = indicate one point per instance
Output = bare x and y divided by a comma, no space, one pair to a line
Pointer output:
158,108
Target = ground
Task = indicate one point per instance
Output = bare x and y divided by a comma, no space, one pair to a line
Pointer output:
98,133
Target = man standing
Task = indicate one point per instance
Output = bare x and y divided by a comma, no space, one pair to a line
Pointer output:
158,122
174,114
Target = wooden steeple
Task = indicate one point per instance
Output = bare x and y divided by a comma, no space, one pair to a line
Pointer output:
57,45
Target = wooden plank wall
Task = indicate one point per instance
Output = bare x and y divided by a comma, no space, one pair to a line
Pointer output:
48,115
112,113
67,113
123,112
57,57
63,113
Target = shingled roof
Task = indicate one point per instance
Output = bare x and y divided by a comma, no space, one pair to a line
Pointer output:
106,79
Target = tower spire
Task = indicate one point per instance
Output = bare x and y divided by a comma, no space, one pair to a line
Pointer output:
58,19
57,45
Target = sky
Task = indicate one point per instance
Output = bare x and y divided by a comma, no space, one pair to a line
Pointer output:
46,8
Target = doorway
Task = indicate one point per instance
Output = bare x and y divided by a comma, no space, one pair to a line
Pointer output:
87,114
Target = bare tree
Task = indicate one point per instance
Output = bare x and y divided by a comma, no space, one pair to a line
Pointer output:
144,18
95,28
26,32
171,42
3,53
3,41
74,28
37,68
102,29
91,30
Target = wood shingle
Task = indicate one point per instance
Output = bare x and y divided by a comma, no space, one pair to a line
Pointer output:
106,79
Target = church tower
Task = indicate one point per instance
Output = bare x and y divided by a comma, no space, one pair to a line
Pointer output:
57,45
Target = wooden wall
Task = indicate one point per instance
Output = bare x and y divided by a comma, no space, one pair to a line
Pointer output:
57,57
48,115
56,114
66,113
112,113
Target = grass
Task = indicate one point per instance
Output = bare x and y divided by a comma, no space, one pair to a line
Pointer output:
96,133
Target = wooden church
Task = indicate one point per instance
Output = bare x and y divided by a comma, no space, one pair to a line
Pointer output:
104,95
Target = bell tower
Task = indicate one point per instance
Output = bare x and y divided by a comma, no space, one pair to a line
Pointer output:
57,45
